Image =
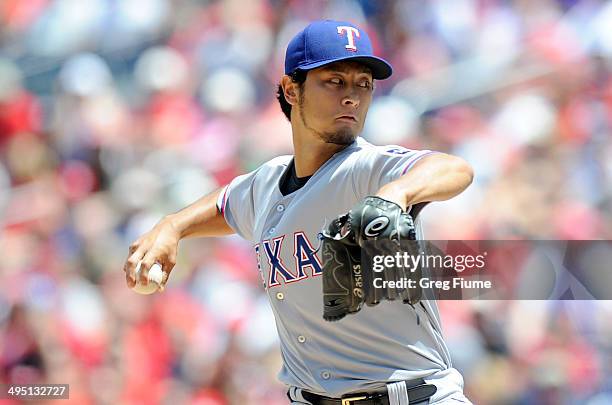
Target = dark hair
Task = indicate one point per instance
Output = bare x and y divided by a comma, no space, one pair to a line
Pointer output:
299,77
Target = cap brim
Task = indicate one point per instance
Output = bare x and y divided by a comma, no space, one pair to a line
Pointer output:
381,69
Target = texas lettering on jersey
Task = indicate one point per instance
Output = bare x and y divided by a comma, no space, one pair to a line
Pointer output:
305,262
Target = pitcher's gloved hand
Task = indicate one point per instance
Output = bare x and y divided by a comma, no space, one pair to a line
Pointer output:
378,226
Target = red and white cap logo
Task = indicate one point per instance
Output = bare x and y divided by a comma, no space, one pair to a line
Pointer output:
351,32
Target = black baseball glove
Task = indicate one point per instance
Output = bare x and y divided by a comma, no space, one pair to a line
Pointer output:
373,227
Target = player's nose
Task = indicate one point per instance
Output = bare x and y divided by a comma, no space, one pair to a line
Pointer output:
351,99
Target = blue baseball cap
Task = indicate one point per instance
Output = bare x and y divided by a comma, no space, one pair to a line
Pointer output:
327,41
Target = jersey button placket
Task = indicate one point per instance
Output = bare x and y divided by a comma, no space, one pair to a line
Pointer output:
280,296
326,375
280,208
301,338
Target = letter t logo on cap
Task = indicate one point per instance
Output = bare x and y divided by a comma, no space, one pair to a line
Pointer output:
350,31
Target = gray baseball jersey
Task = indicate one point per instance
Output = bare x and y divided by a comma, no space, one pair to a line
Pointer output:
385,343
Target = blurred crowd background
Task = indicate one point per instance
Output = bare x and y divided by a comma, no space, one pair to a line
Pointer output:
115,113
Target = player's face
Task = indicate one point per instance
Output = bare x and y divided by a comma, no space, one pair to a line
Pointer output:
334,101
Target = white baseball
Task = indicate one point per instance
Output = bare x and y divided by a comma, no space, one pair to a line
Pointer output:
155,278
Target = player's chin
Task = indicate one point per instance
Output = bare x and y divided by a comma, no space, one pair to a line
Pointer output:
343,135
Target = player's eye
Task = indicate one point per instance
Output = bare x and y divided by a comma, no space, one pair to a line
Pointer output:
366,84
335,80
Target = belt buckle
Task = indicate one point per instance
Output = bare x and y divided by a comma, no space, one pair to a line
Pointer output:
347,401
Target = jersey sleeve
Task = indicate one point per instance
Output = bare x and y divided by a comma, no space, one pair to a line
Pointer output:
385,164
236,204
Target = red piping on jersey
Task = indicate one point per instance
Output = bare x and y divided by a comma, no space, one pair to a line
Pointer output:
224,200
416,159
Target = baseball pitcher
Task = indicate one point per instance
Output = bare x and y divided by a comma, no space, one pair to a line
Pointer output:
310,215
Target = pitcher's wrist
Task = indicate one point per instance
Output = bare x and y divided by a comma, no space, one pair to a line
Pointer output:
177,223
394,194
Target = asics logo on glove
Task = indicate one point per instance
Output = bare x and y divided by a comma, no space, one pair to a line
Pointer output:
358,290
376,226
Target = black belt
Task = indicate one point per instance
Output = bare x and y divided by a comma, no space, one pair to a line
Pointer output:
417,390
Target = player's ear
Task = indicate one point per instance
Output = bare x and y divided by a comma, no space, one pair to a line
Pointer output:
290,89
